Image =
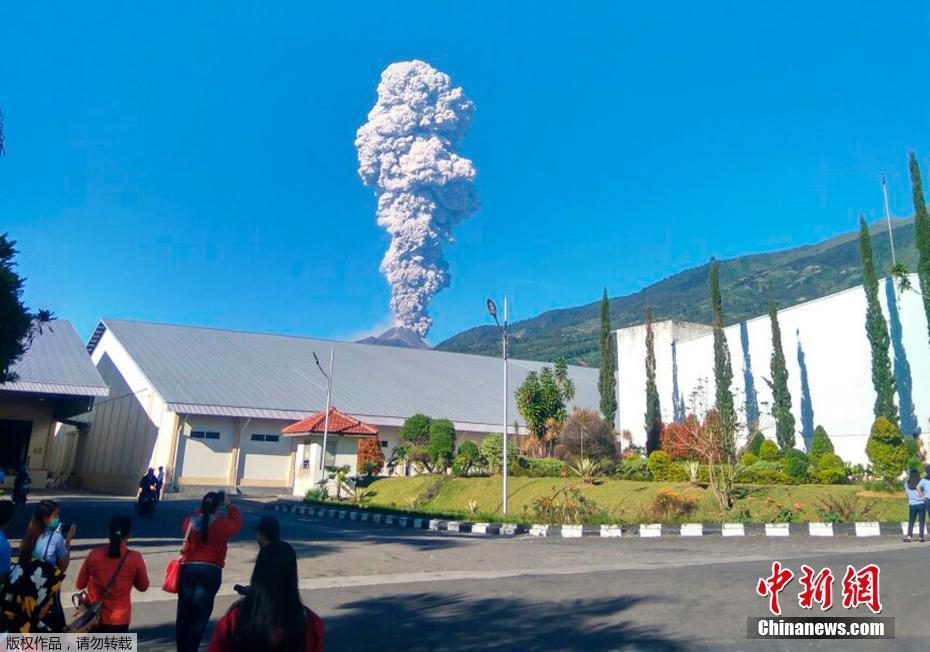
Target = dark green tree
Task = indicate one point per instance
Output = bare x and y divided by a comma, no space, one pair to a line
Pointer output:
18,325
723,370
441,445
820,445
877,331
415,430
542,399
607,380
653,416
922,228
781,397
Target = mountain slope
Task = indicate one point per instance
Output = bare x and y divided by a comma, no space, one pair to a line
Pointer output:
747,282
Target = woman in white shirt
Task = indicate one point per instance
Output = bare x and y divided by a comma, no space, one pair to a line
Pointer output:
916,508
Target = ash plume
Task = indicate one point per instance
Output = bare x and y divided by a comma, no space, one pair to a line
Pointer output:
406,152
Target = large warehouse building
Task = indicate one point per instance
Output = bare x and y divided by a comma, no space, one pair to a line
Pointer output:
828,360
210,405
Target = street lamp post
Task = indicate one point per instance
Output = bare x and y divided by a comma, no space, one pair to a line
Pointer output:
888,220
492,310
329,398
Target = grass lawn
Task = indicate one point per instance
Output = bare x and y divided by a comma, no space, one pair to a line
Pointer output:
623,501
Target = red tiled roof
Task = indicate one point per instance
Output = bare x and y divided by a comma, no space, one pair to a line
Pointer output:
339,423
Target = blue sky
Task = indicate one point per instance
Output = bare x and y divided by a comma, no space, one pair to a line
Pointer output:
194,162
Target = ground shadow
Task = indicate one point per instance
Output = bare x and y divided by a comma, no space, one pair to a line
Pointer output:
807,406
749,382
902,368
435,621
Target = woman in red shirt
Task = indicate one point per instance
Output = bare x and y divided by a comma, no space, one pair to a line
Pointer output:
271,616
203,558
109,573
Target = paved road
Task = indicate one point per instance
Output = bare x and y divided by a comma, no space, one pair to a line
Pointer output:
383,588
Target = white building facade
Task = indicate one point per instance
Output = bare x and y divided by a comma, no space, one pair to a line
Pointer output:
210,405
828,359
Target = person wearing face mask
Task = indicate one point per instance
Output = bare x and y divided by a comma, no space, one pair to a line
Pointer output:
46,546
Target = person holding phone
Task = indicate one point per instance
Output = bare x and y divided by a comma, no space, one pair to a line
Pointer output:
204,555
48,539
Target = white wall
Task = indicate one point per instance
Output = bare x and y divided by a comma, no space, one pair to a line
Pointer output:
262,460
837,360
631,374
124,438
202,460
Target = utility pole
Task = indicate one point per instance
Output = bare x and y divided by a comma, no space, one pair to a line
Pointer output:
492,310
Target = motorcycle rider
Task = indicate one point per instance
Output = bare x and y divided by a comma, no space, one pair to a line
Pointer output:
148,493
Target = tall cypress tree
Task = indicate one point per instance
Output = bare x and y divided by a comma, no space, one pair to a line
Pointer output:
781,397
723,371
607,379
877,331
922,228
653,416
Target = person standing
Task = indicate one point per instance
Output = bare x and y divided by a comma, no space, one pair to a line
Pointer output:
21,484
159,482
109,573
204,555
45,541
6,551
916,506
271,616
268,530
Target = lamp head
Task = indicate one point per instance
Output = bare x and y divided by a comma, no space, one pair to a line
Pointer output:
492,308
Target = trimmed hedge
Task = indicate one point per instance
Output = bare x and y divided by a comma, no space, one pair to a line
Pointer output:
831,469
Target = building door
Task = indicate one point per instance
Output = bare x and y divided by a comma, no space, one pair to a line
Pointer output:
14,443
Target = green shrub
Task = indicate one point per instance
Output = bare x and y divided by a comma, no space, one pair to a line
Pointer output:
542,467
820,445
795,463
831,469
659,465
755,443
748,459
441,443
886,449
566,505
768,451
671,506
763,472
492,452
844,509
416,430
466,459
634,468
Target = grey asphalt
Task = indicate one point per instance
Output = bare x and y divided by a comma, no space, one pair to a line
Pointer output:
381,588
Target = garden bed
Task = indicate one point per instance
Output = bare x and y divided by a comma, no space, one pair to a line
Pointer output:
630,501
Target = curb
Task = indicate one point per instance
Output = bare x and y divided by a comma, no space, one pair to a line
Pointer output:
642,530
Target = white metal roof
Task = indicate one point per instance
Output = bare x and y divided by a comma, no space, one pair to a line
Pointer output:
232,373
57,363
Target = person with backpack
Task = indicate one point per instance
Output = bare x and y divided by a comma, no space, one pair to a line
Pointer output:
202,559
31,599
107,577
271,616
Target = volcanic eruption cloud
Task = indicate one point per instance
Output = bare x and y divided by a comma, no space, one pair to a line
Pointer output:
407,153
